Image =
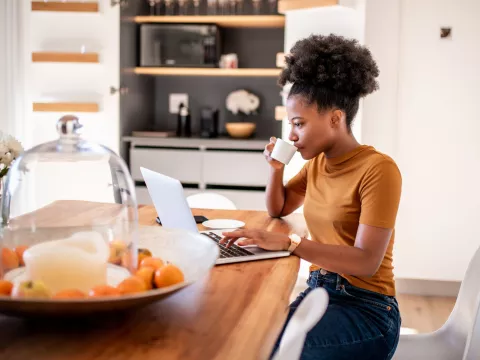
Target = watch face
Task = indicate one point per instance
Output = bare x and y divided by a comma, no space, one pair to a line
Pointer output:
295,238
295,241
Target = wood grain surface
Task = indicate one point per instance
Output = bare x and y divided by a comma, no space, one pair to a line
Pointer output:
64,57
65,6
235,313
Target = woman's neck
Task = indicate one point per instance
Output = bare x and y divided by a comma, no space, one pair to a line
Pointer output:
342,146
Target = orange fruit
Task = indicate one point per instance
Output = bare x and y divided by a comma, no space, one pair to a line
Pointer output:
9,259
117,248
19,250
142,254
168,275
156,263
131,285
127,260
5,287
103,290
146,273
69,294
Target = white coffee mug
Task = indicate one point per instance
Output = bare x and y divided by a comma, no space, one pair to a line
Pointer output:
283,151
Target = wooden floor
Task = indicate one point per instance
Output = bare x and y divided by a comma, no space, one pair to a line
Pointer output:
424,313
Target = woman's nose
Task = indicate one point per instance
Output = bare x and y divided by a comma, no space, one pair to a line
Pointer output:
292,136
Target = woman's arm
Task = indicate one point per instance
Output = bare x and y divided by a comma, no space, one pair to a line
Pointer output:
363,259
281,201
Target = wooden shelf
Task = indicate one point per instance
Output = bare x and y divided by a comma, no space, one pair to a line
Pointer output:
286,5
65,57
207,72
65,6
65,106
232,21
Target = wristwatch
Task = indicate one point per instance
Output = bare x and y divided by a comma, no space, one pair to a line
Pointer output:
295,240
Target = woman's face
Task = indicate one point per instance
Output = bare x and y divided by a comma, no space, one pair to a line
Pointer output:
312,132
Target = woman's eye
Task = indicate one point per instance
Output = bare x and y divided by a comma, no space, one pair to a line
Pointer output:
297,124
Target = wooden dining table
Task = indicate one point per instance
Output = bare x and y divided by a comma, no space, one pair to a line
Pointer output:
236,312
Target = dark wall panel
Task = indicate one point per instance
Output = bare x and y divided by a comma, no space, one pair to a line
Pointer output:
256,48
212,91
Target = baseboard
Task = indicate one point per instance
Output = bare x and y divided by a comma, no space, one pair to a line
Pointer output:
427,287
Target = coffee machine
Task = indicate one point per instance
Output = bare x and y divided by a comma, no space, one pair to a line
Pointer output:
208,122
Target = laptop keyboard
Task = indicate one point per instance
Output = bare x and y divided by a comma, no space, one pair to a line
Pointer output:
232,251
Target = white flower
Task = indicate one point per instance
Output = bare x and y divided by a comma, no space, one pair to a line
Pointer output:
10,149
5,155
14,145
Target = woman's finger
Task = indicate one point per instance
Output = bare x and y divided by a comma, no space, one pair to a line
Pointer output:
225,239
231,242
237,233
245,242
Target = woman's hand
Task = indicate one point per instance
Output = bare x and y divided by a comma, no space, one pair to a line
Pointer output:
263,239
268,154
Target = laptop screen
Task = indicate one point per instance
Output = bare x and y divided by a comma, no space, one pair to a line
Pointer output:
169,201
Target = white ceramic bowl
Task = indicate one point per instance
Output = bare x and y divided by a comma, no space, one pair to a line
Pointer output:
193,253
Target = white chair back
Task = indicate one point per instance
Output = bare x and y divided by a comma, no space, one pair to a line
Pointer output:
305,317
207,200
472,350
460,322
450,341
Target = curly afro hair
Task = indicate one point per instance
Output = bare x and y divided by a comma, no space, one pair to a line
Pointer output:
332,71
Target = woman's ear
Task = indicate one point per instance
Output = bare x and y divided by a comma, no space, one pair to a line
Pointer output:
337,117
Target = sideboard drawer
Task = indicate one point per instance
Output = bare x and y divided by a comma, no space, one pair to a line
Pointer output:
235,168
184,165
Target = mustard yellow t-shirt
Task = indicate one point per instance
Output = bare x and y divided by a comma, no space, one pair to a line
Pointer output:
360,187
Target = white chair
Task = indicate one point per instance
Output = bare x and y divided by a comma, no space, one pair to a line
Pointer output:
472,351
450,341
308,313
207,200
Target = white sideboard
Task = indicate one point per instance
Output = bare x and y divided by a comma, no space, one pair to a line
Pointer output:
230,167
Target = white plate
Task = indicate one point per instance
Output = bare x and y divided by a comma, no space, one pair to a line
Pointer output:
223,224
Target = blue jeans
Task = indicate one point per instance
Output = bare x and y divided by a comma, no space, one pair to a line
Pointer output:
358,324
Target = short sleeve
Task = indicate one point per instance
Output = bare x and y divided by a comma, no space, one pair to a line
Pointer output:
298,183
380,192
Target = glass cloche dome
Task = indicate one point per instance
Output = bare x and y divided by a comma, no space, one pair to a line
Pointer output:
69,215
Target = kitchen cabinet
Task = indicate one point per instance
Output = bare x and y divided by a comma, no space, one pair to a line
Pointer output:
167,162
235,169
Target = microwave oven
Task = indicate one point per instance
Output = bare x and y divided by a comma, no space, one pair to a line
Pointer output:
179,45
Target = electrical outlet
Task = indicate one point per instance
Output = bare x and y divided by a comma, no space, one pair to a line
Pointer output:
175,100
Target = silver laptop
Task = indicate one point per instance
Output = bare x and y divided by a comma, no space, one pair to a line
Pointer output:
173,210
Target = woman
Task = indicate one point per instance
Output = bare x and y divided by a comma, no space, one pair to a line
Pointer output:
350,194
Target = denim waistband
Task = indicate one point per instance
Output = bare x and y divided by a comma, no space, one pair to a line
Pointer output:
335,282
323,278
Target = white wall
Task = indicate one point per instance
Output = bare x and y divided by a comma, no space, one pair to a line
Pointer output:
3,66
382,37
437,139
11,70
425,117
